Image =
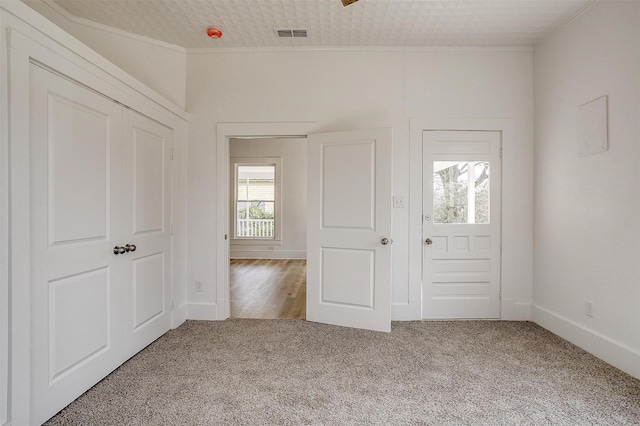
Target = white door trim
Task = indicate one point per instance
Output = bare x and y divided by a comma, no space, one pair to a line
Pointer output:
219,308
416,126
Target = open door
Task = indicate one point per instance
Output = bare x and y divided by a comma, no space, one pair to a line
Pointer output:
349,229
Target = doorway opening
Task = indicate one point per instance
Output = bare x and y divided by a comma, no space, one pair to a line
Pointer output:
267,227
268,288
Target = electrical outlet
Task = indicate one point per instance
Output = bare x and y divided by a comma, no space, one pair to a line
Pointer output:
198,286
588,309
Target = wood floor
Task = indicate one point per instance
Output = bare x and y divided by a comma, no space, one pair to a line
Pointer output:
268,288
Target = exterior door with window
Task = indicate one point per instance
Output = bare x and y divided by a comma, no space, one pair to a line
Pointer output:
349,229
461,224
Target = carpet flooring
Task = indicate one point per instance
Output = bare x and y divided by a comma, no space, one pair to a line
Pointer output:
292,372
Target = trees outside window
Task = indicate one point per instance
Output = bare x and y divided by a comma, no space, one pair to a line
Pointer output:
461,192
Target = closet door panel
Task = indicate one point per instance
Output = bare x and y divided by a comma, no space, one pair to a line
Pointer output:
76,336
147,221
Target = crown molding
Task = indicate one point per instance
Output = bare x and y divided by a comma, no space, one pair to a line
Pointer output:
417,49
566,23
109,29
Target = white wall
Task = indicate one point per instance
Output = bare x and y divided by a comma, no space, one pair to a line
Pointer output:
160,66
4,229
293,155
587,209
352,89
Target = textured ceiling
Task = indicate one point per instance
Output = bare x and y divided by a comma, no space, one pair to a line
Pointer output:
251,23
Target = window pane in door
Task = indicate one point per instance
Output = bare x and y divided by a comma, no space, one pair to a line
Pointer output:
481,186
461,192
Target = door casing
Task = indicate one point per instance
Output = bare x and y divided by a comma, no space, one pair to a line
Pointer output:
412,308
220,308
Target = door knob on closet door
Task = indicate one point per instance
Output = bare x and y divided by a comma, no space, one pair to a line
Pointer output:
428,241
386,241
119,250
130,247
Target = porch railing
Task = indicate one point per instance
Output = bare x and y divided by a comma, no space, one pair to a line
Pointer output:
259,228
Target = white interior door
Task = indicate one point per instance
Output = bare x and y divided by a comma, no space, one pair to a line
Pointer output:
75,203
461,224
349,229
146,222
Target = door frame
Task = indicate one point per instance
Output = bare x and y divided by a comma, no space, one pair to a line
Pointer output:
220,309
417,125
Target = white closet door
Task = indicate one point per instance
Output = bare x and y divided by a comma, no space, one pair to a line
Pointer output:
75,204
146,220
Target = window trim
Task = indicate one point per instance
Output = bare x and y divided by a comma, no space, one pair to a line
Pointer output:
277,204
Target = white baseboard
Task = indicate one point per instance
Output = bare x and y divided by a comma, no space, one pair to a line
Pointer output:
179,316
608,350
268,254
202,311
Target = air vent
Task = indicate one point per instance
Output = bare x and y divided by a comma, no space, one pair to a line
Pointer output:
286,33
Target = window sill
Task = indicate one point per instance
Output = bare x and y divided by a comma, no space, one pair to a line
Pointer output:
256,242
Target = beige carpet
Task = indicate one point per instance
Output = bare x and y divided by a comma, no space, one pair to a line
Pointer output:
293,372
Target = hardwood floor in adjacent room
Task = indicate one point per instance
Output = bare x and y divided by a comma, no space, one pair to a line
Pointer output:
268,288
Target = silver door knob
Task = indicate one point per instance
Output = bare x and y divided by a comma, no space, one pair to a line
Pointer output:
130,247
428,241
386,241
118,250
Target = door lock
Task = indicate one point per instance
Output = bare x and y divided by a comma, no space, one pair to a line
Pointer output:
428,241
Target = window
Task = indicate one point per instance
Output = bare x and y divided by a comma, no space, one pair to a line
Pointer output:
257,213
461,192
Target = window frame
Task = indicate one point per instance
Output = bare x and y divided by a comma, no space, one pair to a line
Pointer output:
237,162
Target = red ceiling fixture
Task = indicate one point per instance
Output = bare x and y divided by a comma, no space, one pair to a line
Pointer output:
214,32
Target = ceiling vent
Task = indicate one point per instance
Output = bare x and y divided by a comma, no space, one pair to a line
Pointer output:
286,33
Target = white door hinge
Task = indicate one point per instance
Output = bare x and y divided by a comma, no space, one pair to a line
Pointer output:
172,304
500,154
171,229
172,154
500,295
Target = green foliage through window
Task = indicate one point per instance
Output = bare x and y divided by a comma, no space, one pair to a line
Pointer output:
451,184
